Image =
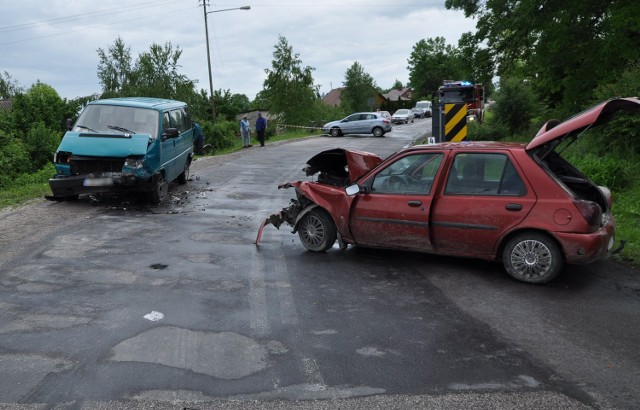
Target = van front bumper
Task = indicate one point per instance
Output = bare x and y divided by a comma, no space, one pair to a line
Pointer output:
68,186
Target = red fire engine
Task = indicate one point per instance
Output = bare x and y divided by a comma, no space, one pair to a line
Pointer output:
457,92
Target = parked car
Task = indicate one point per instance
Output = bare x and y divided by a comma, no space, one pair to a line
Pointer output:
385,114
426,107
521,203
359,123
402,115
124,144
418,112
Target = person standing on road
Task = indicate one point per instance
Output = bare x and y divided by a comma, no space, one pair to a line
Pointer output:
245,132
261,127
198,139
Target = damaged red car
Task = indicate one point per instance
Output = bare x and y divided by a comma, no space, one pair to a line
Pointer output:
519,203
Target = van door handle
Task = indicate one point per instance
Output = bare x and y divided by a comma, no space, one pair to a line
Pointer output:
513,207
415,203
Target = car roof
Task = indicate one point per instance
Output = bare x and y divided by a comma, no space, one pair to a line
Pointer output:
141,102
466,145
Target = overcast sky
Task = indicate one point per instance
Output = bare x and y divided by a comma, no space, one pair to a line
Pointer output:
55,41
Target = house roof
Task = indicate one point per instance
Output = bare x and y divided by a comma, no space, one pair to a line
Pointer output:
399,94
333,97
6,104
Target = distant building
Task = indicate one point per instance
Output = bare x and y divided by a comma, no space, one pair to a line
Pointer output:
6,104
400,94
333,98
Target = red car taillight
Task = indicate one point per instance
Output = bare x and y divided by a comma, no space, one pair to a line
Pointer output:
386,121
591,212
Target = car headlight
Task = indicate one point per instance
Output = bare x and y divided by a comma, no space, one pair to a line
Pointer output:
135,163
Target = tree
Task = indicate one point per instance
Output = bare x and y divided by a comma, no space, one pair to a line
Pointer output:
431,62
115,69
359,91
516,105
566,48
229,105
8,86
289,90
41,103
156,73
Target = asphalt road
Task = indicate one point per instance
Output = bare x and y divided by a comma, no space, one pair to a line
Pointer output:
112,303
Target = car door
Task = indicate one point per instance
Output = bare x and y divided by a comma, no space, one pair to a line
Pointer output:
393,211
484,197
353,124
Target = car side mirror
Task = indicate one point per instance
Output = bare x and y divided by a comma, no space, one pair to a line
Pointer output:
170,133
352,189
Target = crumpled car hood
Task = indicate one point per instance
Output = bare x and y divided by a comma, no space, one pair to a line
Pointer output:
340,164
594,116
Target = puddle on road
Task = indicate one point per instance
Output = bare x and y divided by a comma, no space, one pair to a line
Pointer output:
225,355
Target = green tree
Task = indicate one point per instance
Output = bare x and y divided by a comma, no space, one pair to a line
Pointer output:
115,69
516,105
8,86
289,89
156,73
41,142
359,91
431,62
41,103
566,48
229,105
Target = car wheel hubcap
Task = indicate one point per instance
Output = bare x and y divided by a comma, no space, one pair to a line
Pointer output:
531,258
313,230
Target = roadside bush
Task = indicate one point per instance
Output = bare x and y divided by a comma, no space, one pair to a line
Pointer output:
41,142
515,106
616,174
222,134
14,160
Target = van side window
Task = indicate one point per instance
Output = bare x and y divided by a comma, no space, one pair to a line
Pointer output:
166,122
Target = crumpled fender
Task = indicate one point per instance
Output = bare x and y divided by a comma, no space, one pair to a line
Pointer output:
332,199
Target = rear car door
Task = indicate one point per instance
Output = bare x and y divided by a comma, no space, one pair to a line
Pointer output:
484,197
393,212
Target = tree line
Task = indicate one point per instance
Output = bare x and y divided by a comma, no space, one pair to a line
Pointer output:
550,59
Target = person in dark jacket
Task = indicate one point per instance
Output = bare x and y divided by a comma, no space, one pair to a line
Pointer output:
261,127
198,139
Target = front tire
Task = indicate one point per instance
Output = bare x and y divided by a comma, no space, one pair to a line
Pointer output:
378,132
532,258
317,231
335,132
160,190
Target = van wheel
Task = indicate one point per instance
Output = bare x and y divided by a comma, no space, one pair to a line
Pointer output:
378,132
532,257
184,177
160,190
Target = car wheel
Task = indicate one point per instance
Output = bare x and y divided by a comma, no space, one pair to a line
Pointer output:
335,132
184,177
378,132
159,191
317,231
532,257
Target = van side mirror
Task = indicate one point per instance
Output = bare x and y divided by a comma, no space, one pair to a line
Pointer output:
352,189
170,133
69,124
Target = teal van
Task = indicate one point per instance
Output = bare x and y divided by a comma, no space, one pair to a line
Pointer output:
125,144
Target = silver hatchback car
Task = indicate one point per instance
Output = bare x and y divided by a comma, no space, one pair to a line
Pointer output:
359,123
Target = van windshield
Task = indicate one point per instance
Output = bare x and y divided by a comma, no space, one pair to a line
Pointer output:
107,118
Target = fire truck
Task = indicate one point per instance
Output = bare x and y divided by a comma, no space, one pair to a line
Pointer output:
458,92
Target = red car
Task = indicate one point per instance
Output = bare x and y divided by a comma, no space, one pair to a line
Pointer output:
523,204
